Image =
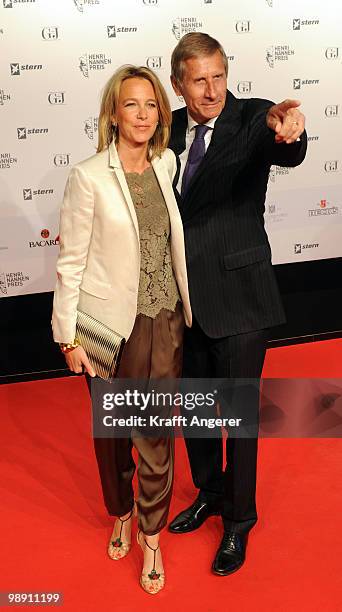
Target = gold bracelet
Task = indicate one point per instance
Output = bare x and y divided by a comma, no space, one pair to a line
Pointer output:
66,347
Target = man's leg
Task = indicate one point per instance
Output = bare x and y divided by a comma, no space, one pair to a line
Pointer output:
205,454
240,356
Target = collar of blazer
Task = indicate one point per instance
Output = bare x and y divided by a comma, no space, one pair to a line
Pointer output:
226,125
163,179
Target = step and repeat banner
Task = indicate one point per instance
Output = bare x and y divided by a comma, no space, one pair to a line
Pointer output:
56,58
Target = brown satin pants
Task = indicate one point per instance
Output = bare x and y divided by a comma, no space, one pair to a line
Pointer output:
154,350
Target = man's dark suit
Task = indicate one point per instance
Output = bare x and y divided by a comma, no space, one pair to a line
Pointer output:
233,291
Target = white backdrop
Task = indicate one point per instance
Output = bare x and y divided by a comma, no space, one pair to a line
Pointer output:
56,57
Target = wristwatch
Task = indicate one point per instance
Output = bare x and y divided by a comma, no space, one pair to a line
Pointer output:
67,347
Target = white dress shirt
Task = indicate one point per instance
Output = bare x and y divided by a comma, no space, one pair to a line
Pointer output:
189,137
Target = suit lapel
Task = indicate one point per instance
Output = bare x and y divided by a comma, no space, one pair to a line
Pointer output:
226,127
114,162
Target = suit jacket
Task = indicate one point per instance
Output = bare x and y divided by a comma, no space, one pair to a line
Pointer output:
98,267
231,281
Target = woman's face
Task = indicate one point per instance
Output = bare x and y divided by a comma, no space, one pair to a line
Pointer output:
137,111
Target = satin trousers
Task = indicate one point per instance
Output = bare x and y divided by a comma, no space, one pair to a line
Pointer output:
154,350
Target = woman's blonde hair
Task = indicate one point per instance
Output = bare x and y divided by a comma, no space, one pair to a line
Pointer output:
110,98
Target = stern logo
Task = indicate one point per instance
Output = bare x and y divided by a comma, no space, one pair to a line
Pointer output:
28,193
23,132
298,23
16,68
299,83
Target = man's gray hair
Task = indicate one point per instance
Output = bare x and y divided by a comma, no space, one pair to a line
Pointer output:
194,44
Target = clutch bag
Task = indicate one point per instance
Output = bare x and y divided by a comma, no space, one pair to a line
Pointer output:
102,345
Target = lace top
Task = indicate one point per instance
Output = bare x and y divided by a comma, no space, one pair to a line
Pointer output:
157,285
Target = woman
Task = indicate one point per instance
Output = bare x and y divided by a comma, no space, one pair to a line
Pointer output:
122,260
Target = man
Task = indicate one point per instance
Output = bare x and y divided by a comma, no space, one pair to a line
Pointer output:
226,147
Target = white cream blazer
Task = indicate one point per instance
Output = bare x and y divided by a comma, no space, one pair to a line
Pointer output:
98,267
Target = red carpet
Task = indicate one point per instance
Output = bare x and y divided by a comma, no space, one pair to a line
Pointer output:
55,528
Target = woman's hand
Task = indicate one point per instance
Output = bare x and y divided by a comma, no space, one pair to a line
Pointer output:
78,358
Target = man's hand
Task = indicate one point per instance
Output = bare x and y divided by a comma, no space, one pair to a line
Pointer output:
76,359
286,121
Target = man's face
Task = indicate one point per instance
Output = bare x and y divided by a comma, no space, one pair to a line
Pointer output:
204,86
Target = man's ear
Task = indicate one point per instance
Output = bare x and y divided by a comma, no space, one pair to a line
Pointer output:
175,86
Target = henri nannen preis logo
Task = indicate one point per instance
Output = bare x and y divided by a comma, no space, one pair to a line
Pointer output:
12,279
90,127
184,25
17,69
278,53
276,171
23,132
93,61
4,97
7,160
3,284
80,4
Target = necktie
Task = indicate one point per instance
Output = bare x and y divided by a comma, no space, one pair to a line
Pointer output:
196,154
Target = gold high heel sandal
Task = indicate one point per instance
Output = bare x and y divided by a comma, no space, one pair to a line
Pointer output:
117,548
153,582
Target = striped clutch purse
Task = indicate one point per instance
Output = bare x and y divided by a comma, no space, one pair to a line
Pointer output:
102,345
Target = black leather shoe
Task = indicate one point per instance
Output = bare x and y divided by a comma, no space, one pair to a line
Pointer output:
193,517
231,554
